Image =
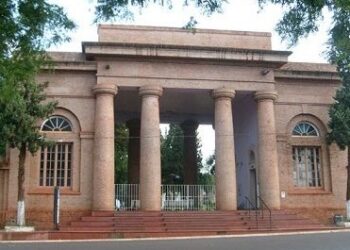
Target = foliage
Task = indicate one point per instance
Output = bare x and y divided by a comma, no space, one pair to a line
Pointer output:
210,164
19,116
31,26
200,166
172,147
303,17
206,179
28,27
121,154
339,123
172,155
107,10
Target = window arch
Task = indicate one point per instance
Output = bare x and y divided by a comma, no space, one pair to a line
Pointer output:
308,146
304,128
57,123
57,158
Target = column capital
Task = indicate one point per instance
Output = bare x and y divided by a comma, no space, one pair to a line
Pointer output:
223,92
154,90
105,88
189,126
265,95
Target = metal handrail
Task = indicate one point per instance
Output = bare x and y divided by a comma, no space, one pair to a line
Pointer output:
251,205
268,209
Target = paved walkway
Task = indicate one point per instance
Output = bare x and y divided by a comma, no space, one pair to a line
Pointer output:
316,241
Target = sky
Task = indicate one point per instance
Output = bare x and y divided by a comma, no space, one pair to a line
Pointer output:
243,15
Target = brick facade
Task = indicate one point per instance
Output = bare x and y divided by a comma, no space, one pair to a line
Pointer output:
187,67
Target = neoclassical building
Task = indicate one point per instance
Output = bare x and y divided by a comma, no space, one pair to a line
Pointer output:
270,119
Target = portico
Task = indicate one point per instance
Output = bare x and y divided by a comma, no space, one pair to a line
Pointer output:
156,86
144,150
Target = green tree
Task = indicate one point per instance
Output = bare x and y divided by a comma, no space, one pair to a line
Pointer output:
107,10
205,176
172,155
121,154
207,172
172,148
28,27
339,125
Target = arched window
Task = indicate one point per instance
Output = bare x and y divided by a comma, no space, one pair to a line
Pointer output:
56,159
57,123
306,156
305,129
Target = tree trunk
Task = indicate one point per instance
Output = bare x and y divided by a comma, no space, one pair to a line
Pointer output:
348,187
21,178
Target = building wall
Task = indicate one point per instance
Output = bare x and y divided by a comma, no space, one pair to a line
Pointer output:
308,100
244,63
245,127
176,36
72,91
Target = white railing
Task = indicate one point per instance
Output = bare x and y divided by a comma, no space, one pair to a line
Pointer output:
127,197
173,197
188,197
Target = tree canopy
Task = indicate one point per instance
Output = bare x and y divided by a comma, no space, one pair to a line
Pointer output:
107,10
172,155
28,27
121,154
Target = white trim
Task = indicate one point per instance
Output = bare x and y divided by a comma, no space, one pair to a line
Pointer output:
309,124
57,116
21,213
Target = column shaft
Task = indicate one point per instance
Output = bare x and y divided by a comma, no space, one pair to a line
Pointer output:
150,164
268,160
103,171
225,166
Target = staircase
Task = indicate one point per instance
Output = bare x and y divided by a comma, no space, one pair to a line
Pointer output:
163,224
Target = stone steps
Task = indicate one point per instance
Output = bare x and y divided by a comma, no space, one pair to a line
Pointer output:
187,223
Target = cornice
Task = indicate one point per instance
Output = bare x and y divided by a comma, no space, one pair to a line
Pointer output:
309,75
72,66
273,58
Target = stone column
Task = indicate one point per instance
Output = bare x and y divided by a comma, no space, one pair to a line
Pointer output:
267,158
150,166
189,128
225,166
134,151
103,171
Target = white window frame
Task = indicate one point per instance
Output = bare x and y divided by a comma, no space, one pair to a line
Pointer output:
67,169
307,124
308,168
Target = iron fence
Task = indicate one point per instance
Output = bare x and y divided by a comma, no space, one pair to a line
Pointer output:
173,197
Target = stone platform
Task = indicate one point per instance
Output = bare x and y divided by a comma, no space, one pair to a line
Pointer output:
113,225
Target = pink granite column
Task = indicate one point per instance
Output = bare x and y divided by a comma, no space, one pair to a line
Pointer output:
103,171
268,161
134,151
225,166
189,129
150,166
